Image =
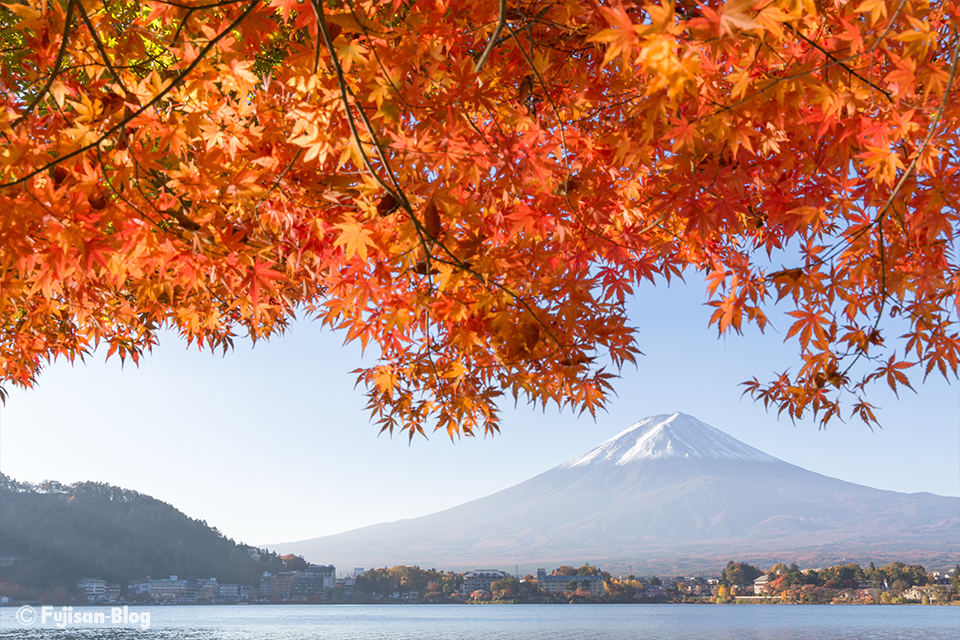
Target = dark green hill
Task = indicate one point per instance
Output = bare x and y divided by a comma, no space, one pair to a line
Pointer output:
97,530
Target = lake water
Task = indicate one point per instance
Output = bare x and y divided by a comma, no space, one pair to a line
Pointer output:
506,622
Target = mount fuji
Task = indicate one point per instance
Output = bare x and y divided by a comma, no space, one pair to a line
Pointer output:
668,494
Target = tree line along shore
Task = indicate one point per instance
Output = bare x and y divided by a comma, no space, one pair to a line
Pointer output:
738,582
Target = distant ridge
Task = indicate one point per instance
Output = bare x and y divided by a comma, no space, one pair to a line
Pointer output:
670,493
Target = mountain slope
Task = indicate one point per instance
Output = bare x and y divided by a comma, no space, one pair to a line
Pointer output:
669,492
62,533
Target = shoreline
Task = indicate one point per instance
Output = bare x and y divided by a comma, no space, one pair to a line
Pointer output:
23,603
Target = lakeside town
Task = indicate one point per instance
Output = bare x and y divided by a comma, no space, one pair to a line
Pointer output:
895,583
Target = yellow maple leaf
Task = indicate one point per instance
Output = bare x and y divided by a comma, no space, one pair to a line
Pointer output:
354,238
876,8
351,53
884,164
737,14
22,10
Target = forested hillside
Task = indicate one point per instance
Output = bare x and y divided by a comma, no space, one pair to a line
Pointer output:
62,533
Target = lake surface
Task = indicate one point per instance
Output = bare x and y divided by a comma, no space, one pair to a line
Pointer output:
506,622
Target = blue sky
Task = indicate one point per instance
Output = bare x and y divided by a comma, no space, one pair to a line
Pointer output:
271,444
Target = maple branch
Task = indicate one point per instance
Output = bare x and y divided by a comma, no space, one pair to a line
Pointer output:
839,247
101,48
501,22
194,7
181,26
516,297
129,203
148,219
454,261
166,214
883,299
930,132
386,74
426,239
396,192
184,222
842,64
153,101
561,125
836,61
56,65
608,105
430,348
43,206
273,187
913,163
656,223
529,25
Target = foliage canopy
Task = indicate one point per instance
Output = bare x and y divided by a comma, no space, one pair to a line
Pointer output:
476,188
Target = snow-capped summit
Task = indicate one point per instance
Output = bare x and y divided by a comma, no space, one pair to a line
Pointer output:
669,436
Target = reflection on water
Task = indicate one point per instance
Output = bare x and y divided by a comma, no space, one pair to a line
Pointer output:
513,622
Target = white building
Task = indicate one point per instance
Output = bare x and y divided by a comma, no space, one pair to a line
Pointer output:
167,589
558,584
95,588
481,579
326,571
761,585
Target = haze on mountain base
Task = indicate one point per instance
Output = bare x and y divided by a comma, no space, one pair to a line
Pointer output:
669,494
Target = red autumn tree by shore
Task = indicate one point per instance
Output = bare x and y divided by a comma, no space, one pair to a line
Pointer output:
475,188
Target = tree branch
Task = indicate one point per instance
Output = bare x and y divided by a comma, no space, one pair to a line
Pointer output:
56,65
101,48
501,21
